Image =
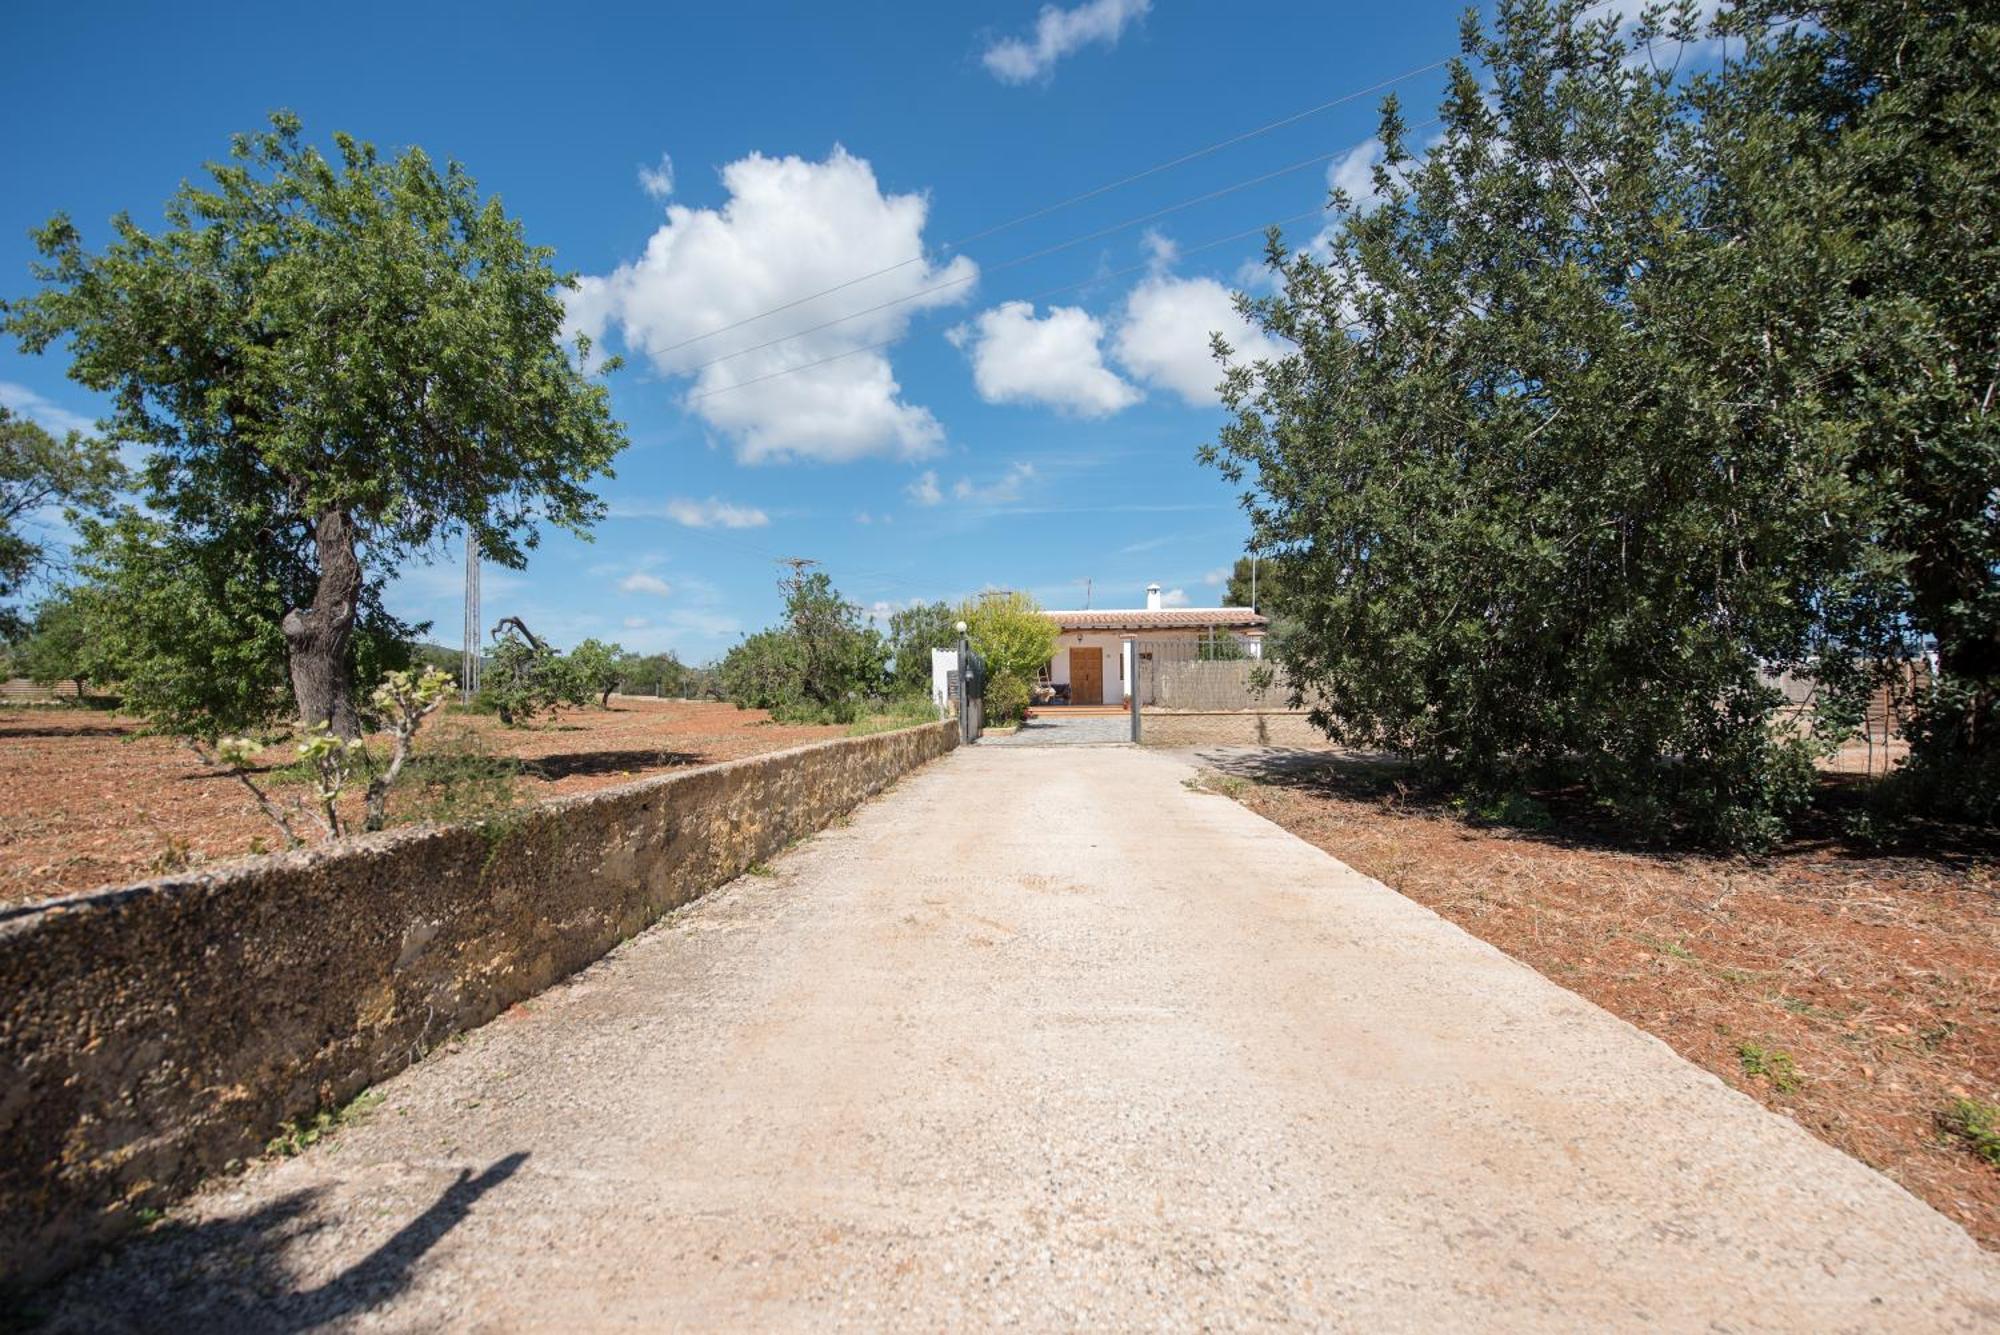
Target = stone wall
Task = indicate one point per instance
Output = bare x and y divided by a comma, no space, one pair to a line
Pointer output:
154,1033
1234,727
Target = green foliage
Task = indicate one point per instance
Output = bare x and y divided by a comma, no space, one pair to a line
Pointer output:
653,674
57,648
457,779
903,711
1006,698
1012,633
451,662
189,630
325,358
1975,1124
1219,646
1772,1064
295,1138
824,665
595,666
762,671
522,681
36,471
1547,482
913,633
1859,153
1265,592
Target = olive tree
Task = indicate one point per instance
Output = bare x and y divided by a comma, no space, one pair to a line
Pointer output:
336,364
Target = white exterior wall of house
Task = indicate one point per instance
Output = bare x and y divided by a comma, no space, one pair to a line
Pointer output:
1117,672
1111,645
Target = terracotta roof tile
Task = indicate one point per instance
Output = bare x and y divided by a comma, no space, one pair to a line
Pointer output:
1166,618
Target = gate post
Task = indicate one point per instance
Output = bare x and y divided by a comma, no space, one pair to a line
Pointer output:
964,687
1132,682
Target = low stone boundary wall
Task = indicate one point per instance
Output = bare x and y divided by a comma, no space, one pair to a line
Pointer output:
1234,727
154,1033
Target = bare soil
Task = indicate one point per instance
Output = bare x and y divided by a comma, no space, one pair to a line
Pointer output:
1858,994
85,800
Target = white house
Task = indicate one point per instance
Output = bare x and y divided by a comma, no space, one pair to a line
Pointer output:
1090,666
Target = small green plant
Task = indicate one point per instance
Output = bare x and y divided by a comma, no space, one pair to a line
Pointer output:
1663,947
1976,1124
759,869
174,856
1772,1064
295,1138
330,764
1218,783
457,779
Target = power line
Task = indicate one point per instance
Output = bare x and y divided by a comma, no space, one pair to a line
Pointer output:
1019,260
1109,186
1031,297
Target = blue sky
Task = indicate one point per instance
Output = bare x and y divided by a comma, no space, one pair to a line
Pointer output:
700,167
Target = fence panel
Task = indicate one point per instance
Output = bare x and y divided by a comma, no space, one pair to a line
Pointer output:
1197,673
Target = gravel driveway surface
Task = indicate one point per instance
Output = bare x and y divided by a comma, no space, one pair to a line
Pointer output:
1044,1037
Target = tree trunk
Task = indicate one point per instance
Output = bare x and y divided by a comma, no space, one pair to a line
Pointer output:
318,638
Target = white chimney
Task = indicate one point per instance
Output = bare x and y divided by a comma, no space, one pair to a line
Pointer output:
1152,597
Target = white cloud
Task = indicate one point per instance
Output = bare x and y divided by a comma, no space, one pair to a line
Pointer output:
1354,174
925,490
1174,598
641,582
791,229
713,513
636,623
1056,361
1002,490
658,181
1058,33
1216,577
49,414
1162,338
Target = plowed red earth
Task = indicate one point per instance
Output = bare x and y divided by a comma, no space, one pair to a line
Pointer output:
1877,976
86,801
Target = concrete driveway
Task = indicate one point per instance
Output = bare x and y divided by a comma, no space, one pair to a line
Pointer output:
1044,1038
1053,728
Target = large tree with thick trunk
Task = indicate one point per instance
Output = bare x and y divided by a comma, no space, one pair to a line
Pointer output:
336,364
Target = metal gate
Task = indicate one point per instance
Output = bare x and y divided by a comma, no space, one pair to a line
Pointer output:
971,693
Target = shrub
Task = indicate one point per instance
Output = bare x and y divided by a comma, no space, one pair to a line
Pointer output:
1006,698
1012,633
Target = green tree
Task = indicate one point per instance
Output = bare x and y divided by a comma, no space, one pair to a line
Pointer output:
652,674
525,678
913,633
843,662
58,647
1265,592
1012,633
1525,524
596,665
189,630
763,671
36,471
1860,149
331,357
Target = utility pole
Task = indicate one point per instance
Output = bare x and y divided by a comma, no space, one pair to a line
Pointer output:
468,668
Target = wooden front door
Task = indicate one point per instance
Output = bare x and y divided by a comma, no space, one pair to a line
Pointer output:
1086,676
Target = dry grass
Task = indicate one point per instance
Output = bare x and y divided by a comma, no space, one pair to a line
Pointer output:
1857,994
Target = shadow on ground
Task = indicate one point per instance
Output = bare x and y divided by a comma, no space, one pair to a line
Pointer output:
234,1274
1564,817
597,763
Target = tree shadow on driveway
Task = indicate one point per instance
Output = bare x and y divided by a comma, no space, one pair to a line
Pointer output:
232,1274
